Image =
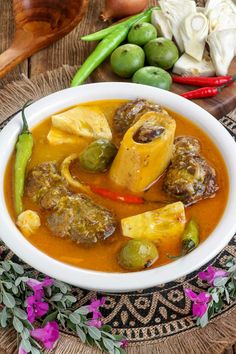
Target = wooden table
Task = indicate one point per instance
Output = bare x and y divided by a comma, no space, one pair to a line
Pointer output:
69,50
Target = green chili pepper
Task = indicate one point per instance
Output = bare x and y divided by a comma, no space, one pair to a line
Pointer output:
190,237
24,148
101,52
142,17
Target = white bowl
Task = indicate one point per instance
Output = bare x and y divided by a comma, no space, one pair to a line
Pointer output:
116,282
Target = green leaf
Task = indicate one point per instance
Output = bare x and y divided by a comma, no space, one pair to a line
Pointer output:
17,324
3,317
108,344
2,271
220,281
106,328
204,320
70,298
56,297
215,297
83,310
62,286
18,312
8,300
27,324
35,350
17,268
21,279
25,344
25,334
94,333
14,289
7,285
51,317
81,334
75,318
6,266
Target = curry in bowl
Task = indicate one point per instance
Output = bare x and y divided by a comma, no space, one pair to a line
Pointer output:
118,186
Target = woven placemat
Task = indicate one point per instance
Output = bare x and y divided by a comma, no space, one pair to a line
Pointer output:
156,320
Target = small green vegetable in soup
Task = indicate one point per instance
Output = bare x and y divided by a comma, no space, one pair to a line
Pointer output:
161,52
98,155
138,255
190,237
24,148
142,33
153,76
127,59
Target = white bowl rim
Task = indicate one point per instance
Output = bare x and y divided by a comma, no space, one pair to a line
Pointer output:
119,282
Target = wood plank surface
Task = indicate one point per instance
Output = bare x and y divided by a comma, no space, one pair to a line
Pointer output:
7,29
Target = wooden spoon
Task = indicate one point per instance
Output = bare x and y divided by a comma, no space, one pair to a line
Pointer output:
38,24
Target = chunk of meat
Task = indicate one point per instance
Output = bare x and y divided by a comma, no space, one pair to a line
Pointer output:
189,178
45,186
79,218
129,113
70,215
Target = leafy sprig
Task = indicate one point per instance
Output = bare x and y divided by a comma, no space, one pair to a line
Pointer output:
222,290
13,312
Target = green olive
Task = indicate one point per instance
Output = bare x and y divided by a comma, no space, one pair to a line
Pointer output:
141,33
98,155
138,255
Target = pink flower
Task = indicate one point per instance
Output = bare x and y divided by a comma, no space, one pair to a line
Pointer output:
211,274
200,302
38,286
124,343
95,323
21,351
48,335
94,307
35,307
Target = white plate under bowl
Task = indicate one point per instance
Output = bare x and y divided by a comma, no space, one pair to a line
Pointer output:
119,282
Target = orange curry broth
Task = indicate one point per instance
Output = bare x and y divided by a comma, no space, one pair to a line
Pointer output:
103,255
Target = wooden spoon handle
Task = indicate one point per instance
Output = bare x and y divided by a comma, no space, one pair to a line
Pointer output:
10,58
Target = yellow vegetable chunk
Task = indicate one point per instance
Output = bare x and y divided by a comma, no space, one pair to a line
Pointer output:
84,121
138,164
156,225
28,222
57,137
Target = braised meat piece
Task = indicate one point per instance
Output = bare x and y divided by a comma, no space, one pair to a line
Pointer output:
189,178
129,113
78,217
69,215
45,186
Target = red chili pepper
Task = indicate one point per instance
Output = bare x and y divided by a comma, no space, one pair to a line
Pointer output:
203,92
130,199
204,81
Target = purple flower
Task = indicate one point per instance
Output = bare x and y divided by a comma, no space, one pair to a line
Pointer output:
38,286
48,335
200,302
95,323
94,307
21,351
35,307
211,274
124,343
